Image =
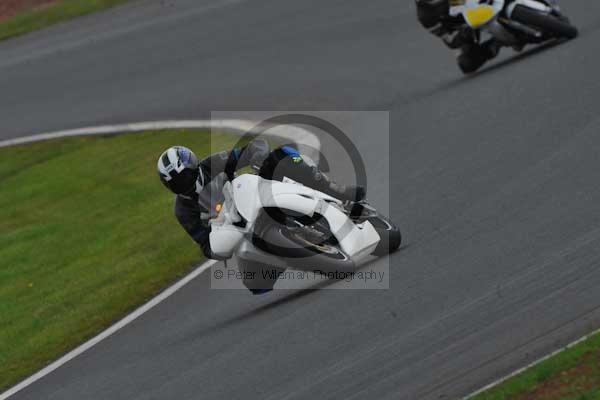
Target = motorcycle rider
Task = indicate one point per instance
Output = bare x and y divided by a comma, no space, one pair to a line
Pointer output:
189,178
454,32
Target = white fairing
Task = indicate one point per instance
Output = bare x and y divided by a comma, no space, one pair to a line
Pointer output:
224,236
535,5
356,240
224,240
461,9
251,193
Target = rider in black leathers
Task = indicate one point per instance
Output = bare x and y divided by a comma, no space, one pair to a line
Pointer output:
190,179
434,16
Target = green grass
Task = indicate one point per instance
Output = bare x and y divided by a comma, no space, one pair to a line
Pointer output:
87,233
573,374
60,11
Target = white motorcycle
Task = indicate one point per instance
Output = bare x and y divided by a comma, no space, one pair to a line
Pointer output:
273,224
515,22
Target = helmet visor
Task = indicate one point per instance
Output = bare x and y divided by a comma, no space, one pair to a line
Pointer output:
183,182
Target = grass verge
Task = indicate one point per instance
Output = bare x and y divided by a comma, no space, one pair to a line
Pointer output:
87,233
573,374
54,13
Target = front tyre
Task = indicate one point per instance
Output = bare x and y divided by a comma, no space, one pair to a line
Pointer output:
302,249
549,24
390,235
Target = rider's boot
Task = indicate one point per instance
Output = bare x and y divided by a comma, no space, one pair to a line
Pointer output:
323,183
473,55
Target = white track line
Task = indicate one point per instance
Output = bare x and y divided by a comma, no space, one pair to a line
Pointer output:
530,365
119,325
296,134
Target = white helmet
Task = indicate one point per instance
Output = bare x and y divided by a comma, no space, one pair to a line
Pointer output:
178,168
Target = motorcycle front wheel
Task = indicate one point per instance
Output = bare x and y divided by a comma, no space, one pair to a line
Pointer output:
303,247
390,235
549,24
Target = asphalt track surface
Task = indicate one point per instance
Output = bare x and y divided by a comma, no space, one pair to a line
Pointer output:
494,180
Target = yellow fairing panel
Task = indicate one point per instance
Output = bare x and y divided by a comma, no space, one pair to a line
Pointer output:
479,16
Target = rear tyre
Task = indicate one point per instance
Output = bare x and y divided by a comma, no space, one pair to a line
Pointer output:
468,64
473,56
549,24
259,278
